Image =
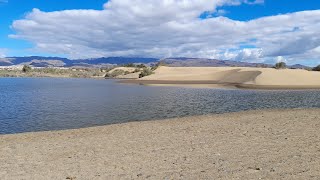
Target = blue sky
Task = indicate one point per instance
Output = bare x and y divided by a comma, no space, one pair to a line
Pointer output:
127,28
270,8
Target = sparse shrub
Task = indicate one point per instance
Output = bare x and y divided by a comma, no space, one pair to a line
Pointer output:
129,65
96,74
160,63
26,68
136,70
141,66
126,72
153,68
145,72
280,65
133,65
115,73
106,69
316,68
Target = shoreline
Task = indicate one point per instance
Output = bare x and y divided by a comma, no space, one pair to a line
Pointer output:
244,112
55,77
216,84
270,144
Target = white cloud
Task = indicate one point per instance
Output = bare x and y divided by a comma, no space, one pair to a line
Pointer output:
254,1
3,53
248,54
280,59
170,28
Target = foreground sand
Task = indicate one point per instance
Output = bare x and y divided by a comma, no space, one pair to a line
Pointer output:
275,144
241,77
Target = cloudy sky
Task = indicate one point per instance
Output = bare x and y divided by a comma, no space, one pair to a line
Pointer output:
243,30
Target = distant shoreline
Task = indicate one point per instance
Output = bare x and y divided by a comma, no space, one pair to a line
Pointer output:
269,144
205,84
58,77
52,73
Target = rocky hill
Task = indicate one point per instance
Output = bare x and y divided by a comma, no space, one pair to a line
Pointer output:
39,61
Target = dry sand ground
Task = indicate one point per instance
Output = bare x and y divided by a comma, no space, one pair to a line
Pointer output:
273,144
241,77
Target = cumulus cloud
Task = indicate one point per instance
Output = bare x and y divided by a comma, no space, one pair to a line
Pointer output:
170,28
249,54
280,59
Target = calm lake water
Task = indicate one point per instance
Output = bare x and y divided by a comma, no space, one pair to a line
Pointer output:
38,104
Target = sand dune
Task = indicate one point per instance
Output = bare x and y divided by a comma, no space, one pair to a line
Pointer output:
274,144
244,77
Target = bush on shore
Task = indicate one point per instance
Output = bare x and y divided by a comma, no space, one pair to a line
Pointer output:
156,66
136,70
316,68
129,65
145,72
134,65
26,68
280,65
141,66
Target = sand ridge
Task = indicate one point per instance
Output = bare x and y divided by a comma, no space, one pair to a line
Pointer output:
243,77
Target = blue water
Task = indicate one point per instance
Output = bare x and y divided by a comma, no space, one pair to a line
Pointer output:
39,104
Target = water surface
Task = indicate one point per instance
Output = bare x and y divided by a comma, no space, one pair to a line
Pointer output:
39,104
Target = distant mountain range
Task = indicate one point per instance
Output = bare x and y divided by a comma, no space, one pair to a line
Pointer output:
39,61
198,62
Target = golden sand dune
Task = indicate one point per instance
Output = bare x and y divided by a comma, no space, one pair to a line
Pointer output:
244,77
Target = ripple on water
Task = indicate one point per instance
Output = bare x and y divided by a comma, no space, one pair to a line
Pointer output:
31,104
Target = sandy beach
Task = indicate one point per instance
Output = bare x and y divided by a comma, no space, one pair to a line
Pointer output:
268,144
239,77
